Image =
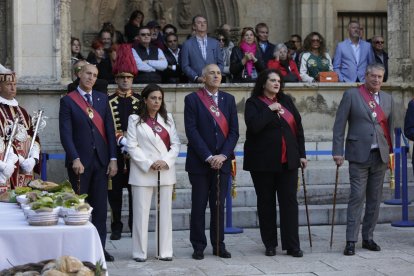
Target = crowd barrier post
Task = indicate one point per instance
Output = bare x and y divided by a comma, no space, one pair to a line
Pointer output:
404,189
397,173
229,229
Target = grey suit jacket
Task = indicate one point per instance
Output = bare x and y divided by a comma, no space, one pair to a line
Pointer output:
362,127
192,61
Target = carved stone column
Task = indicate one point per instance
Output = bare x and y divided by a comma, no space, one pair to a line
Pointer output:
65,34
400,40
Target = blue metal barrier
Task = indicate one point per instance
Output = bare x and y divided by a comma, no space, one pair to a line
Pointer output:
404,222
397,172
229,229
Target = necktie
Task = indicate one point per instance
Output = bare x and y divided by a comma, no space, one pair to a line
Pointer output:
263,46
376,97
89,99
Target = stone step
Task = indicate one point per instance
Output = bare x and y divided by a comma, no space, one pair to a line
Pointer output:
246,217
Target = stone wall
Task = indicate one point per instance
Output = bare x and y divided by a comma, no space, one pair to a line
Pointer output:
317,104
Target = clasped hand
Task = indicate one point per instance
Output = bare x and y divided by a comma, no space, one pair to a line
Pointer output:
216,161
159,165
275,107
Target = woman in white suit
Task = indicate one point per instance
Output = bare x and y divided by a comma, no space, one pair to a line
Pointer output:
153,144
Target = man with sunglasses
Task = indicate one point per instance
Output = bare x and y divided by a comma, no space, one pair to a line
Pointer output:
380,55
352,56
150,60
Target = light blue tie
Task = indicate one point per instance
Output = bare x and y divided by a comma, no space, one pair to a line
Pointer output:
89,99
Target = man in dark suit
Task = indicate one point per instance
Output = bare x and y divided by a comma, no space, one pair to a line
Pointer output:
173,73
212,130
368,112
380,55
87,134
267,49
199,51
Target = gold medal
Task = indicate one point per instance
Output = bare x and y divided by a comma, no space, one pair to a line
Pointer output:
90,112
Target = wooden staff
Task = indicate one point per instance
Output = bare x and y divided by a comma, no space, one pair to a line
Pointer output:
218,213
306,206
334,204
158,214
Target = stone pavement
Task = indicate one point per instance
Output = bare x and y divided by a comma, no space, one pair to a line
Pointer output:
396,257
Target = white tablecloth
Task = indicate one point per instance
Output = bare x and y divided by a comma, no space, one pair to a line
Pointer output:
21,243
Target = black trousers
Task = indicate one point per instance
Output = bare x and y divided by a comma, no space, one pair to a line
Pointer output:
94,182
267,184
119,182
204,189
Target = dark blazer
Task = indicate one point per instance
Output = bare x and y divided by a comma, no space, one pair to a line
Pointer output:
268,53
205,137
79,136
192,61
263,146
169,75
385,63
409,122
236,65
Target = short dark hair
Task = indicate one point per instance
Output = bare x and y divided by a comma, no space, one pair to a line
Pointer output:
262,79
297,36
261,25
197,16
135,14
169,26
172,34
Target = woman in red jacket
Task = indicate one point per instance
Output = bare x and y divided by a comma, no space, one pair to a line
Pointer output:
284,64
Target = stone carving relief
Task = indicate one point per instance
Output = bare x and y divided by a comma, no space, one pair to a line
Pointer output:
158,9
316,104
185,15
3,32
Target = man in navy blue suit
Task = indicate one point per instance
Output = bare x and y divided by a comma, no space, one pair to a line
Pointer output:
199,51
87,134
212,130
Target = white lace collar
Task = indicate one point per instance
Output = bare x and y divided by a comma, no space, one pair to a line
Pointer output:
9,102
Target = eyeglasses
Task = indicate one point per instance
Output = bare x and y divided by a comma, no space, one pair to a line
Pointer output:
145,34
220,39
315,40
295,41
379,42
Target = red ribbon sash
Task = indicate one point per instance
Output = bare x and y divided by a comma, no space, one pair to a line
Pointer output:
214,111
284,113
379,114
161,131
96,120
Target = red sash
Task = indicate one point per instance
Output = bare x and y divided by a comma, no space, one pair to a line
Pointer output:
214,111
377,113
284,113
90,112
161,131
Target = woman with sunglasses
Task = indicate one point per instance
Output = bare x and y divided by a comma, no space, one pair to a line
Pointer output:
246,60
315,58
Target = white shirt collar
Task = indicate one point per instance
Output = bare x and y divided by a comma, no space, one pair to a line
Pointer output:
8,102
82,92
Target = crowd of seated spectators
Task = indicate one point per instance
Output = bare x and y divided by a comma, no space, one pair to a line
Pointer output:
158,53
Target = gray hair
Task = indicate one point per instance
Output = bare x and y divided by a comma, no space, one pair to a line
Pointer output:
372,66
204,71
279,47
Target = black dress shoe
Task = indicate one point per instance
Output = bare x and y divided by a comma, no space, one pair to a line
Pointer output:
108,257
115,235
140,260
370,245
198,255
222,253
349,248
295,253
270,251
167,259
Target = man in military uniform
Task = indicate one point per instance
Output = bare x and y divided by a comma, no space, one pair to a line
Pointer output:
20,156
123,103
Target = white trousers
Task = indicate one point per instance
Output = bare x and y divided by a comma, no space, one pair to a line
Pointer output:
141,198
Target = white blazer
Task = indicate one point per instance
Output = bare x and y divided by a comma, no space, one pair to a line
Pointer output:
145,148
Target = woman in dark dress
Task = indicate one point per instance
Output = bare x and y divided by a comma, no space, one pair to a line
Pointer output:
273,152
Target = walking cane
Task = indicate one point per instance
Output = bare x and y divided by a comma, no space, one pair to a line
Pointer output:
218,213
158,216
334,203
306,206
